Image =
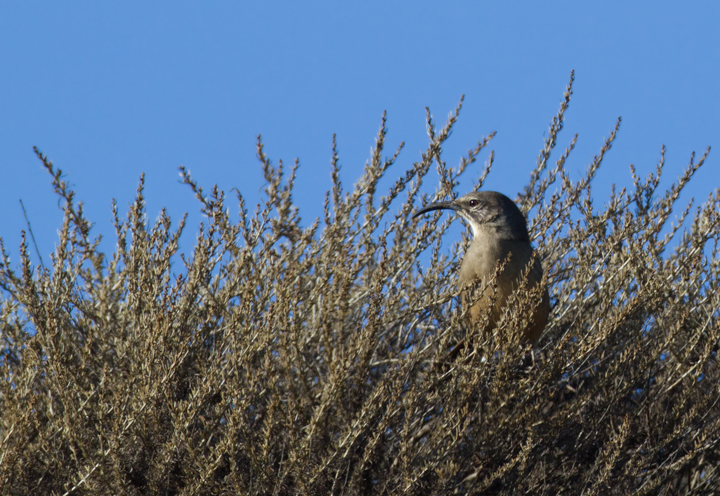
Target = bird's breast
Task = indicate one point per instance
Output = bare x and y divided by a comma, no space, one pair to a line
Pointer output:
485,255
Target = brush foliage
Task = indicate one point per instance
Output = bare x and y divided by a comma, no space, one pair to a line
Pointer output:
282,358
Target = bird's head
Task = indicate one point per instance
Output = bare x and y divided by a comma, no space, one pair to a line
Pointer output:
487,212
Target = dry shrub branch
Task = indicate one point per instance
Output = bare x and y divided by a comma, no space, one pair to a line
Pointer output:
284,358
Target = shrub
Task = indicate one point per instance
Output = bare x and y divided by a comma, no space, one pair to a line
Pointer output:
280,358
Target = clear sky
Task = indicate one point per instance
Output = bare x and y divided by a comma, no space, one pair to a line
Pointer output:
109,90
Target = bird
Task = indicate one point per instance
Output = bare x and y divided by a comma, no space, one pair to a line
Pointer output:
500,235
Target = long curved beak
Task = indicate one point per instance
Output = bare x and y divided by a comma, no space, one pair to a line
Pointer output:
436,206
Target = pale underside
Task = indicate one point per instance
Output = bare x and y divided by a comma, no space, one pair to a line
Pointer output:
480,262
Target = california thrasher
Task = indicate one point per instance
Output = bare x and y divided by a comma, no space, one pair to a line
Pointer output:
499,231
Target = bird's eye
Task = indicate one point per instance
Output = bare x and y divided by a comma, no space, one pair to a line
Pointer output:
473,203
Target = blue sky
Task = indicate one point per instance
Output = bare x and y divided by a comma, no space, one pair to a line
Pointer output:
111,90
